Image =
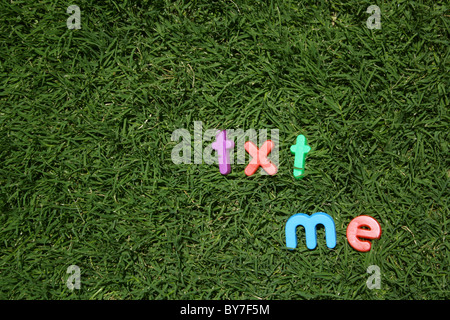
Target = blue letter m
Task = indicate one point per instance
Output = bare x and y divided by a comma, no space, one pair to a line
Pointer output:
310,223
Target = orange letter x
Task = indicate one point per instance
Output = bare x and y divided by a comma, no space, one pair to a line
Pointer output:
259,158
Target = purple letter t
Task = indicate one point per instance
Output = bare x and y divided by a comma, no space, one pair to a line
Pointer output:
221,145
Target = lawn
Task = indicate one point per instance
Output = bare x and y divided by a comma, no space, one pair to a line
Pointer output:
87,179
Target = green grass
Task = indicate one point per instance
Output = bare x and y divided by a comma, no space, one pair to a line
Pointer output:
86,175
